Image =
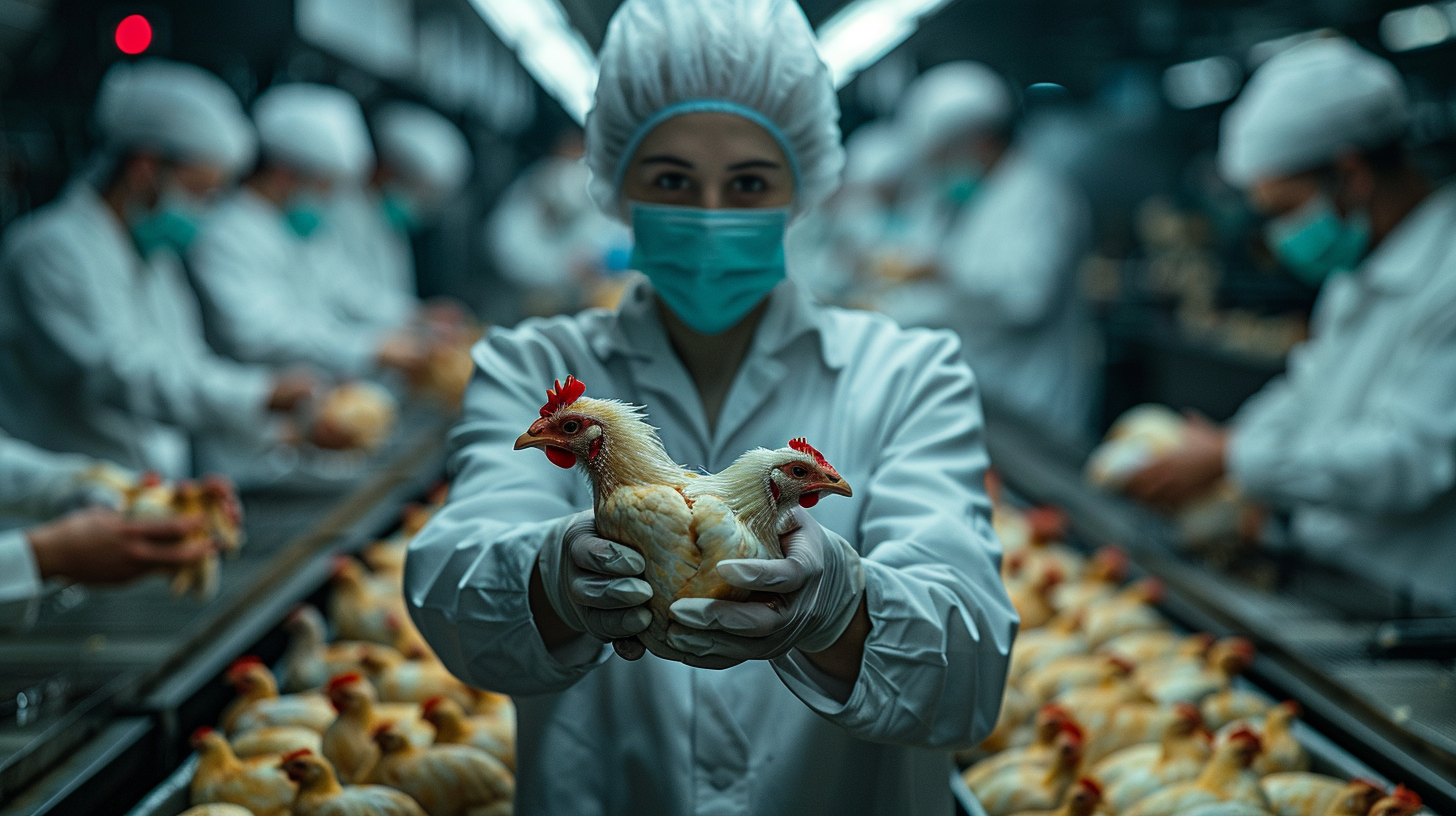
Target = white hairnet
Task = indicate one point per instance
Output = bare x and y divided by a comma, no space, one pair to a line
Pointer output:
874,154
754,58
1306,105
422,144
178,109
315,128
951,99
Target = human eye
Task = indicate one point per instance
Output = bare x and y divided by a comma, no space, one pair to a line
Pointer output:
749,183
671,181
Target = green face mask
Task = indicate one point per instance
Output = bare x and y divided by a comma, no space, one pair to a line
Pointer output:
1313,242
305,214
962,182
172,224
401,211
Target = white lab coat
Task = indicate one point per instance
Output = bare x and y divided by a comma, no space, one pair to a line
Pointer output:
35,485
265,294
897,413
371,267
1011,260
103,352
1359,437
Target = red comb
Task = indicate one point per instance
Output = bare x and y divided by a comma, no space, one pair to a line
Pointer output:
1292,707
1054,711
1047,524
1246,733
562,395
381,728
1188,711
243,664
1407,796
428,707
1091,786
150,479
339,681
1152,589
292,755
1122,664
802,446
1071,729
202,731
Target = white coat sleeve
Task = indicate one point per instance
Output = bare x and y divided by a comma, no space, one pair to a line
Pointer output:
1012,253
20,585
468,570
1396,457
263,323
163,384
935,661
36,483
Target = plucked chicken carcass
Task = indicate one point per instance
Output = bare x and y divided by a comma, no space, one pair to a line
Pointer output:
1227,777
1189,680
1032,785
399,680
1283,753
275,740
310,660
1134,772
1072,672
446,780
494,733
259,705
362,412
1128,611
1299,793
209,501
682,523
1223,707
320,794
256,784
1154,646
1051,721
348,743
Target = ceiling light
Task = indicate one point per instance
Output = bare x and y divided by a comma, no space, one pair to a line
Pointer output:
865,30
548,47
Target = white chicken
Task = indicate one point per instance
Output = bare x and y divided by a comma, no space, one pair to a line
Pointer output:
682,523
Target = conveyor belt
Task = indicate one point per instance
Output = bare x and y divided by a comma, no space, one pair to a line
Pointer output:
1397,716
138,653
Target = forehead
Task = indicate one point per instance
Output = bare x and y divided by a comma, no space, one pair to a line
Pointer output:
711,138
1276,196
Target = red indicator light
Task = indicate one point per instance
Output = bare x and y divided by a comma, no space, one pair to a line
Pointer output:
133,34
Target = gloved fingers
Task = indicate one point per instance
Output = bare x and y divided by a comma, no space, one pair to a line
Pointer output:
781,575
750,618
612,624
629,648
608,557
721,645
602,592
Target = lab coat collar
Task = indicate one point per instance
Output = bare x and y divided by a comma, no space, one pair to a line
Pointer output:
95,208
1408,256
638,333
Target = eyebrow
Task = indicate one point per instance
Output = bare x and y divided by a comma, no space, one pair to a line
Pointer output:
673,160
754,163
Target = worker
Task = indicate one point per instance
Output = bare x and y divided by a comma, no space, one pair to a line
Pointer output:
549,240
423,160
263,285
715,123
1007,233
78,538
1358,439
103,351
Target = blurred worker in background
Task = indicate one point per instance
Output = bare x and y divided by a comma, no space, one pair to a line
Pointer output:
1358,439
550,241
103,351
422,160
72,531
265,288
1002,233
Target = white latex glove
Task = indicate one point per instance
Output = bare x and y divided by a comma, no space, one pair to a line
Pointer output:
589,582
820,578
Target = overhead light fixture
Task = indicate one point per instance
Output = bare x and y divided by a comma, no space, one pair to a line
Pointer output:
862,32
549,48
1196,84
1418,27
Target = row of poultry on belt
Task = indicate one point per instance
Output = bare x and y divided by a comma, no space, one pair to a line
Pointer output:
1108,710
368,724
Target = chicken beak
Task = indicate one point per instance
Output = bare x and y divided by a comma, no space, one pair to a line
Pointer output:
527,440
840,487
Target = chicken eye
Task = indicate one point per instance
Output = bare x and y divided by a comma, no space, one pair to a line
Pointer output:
799,472
571,426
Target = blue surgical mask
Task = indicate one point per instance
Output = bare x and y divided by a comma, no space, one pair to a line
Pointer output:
961,183
711,267
1313,242
173,223
305,214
